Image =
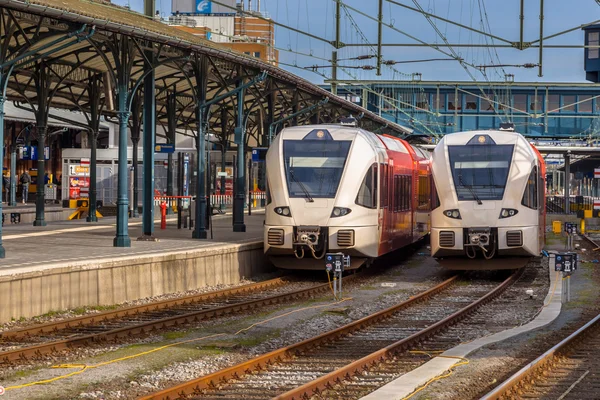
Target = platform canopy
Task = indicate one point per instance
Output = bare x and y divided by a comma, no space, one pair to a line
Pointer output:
97,30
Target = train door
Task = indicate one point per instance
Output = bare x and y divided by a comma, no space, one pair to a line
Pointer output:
386,206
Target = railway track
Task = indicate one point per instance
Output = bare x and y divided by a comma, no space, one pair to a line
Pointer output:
337,364
569,370
50,338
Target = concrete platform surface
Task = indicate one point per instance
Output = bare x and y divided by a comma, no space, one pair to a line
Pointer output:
62,243
408,383
73,264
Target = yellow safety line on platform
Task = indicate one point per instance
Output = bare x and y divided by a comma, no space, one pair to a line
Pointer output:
85,367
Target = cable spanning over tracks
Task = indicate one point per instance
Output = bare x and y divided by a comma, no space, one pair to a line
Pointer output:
324,363
567,370
148,318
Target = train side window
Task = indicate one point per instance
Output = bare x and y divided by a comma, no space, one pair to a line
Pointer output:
530,196
384,186
367,194
408,192
435,198
396,193
423,194
268,193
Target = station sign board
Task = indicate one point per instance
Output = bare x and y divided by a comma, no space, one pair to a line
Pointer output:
164,148
29,153
570,227
259,154
563,262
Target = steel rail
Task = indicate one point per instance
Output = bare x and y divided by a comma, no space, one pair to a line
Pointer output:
262,362
357,367
36,351
76,322
544,361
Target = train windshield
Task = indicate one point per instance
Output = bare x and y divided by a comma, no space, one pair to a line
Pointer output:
480,171
314,168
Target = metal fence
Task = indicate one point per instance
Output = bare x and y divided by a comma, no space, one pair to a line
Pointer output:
556,204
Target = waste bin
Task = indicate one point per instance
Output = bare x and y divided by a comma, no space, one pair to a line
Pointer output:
557,227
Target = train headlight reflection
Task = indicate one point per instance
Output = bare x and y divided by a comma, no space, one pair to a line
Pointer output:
452,214
285,211
508,212
340,211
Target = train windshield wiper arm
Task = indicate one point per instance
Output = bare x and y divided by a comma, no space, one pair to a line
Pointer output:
301,185
475,197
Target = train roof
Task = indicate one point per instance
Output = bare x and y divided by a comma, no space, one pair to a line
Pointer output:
497,137
382,141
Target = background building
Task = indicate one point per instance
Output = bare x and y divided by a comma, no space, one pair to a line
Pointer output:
234,25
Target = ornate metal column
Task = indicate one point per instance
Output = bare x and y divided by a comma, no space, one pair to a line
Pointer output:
136,129
125,61
171,134
200,66
240,186
42,85
149,105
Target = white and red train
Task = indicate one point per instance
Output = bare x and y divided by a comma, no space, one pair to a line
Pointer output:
489,212
342,189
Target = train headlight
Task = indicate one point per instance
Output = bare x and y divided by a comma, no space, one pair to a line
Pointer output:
452,214
340,211
508,212
285,211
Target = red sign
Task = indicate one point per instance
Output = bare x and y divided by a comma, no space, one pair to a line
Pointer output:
78,187
597,173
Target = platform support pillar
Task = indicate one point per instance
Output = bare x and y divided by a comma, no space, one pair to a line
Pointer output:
201,74
240,185
13,170
136,129
171,134
95,108
41,116
2,100
567,183
148,156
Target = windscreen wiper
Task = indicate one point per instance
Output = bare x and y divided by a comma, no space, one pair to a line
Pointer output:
306,192
460,180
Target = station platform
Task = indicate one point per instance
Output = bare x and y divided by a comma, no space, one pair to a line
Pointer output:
70,264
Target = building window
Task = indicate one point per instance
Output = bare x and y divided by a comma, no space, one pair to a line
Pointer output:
585,104
520,102
257,54
593,40
439,101
452,105
569,103
423,101
486,104
470,102
502,101
405,99
553,102
535,103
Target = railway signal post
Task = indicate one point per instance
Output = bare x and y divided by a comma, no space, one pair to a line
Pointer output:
335,263
567,264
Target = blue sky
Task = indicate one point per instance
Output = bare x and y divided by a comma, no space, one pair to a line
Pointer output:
317,17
